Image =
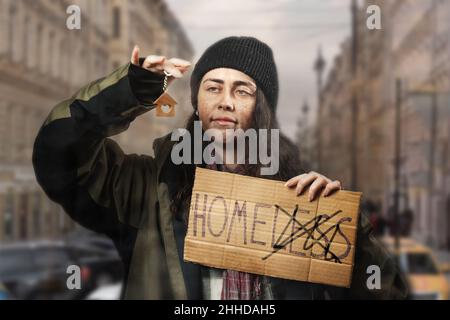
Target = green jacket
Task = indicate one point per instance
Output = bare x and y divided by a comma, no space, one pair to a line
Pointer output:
127,198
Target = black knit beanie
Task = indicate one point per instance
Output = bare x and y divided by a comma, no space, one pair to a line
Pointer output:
246,54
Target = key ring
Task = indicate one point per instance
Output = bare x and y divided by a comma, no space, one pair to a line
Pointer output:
167,74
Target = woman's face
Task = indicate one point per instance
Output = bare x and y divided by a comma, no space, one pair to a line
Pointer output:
226,100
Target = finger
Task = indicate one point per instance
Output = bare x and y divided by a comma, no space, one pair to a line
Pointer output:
135,56
180,63
154,62
170,68
331,187
183,70
305,182
321,175
316,186
293,181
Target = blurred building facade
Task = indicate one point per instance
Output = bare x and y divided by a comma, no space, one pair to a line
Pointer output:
414,46
42,62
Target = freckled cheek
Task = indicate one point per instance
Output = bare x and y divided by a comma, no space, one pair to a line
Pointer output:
205,108
246,116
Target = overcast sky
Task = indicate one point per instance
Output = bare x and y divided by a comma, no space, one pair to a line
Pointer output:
294,29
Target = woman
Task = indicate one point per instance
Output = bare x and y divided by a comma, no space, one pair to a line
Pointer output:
142,202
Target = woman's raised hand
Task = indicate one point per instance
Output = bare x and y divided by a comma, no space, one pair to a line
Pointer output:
158,64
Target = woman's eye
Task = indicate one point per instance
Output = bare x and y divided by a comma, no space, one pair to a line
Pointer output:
243,93
213,89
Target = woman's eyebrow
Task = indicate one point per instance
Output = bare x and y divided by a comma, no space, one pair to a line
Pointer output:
235,83
244,83
214,80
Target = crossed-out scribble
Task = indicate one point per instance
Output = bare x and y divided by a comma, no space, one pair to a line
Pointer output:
311,241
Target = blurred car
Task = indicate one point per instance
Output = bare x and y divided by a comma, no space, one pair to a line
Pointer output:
4,293
426,280
93,241
107,292
38,270
445,267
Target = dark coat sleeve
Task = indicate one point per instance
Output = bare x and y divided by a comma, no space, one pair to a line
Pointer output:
79,167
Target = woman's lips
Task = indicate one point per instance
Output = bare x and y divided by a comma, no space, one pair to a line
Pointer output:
224,121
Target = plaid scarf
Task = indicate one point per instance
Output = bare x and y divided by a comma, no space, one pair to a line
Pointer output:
238,285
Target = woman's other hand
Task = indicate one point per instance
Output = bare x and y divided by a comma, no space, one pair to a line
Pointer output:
316,183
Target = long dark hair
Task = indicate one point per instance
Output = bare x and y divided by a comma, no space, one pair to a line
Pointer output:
263,118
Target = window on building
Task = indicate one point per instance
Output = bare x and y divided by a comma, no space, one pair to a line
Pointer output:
12,22
37,215
38,46
62,59
3,116
116,22
26,37
23,221
8,216
50,56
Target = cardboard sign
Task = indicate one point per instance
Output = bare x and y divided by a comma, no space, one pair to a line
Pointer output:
262,227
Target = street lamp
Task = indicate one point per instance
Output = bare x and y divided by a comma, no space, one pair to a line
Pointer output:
397,164
302,135
319,67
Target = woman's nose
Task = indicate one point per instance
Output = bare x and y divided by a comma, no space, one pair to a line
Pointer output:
227,102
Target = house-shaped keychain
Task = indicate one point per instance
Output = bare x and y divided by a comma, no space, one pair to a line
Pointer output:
165,106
